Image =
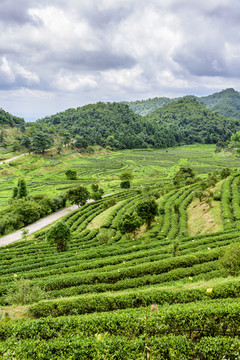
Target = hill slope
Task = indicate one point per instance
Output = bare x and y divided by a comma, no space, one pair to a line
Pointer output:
98,295
190,121
6,119
113,124
226,102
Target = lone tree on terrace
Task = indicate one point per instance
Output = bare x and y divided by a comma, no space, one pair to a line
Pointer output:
20,191
147,210
60,235
126,178
78,195
129,224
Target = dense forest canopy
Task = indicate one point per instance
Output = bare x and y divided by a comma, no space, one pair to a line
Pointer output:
190,121
169,122
9,120
185,121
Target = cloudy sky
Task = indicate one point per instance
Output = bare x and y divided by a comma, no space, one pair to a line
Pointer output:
66,53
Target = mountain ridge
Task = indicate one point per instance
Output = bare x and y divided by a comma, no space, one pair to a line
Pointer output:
226,102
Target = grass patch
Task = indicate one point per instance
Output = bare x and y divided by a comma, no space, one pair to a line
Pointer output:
203,219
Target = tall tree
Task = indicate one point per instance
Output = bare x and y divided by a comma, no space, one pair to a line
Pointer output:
126,178
78,195
60,235
147,210
41,142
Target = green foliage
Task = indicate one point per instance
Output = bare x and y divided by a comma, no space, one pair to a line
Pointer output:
225,172
217,195
126,176
230,260
10,120
129,223
78,195
103,236
71,174
24,292
26,142
112,124
125,184
80,142
60,235
41,142
22,189
97,192
109,203
28,211
226,102
186,121
147,210
184,176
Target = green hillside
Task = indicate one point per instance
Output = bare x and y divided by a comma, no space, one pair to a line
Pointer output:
6,119
190,121
162,294
114,125
144,107
226,102
111,124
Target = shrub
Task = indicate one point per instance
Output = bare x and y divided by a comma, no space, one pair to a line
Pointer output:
217,195
103,237
125,184
60,235
23,292
230,260
147,210
129,223
71,174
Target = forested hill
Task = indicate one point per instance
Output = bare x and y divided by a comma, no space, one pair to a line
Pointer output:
7,119
190,121
111,124
226,102
185,121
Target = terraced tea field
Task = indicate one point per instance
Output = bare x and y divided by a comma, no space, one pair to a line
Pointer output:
47,175
98,295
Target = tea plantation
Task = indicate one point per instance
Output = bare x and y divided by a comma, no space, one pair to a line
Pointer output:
162,294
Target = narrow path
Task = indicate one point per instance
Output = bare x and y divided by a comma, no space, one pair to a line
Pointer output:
14,158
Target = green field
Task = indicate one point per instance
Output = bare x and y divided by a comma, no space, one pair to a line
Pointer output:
97,296
47,174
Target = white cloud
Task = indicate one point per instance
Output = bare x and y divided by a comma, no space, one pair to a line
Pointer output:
126,78
73,82
12,73
116,50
